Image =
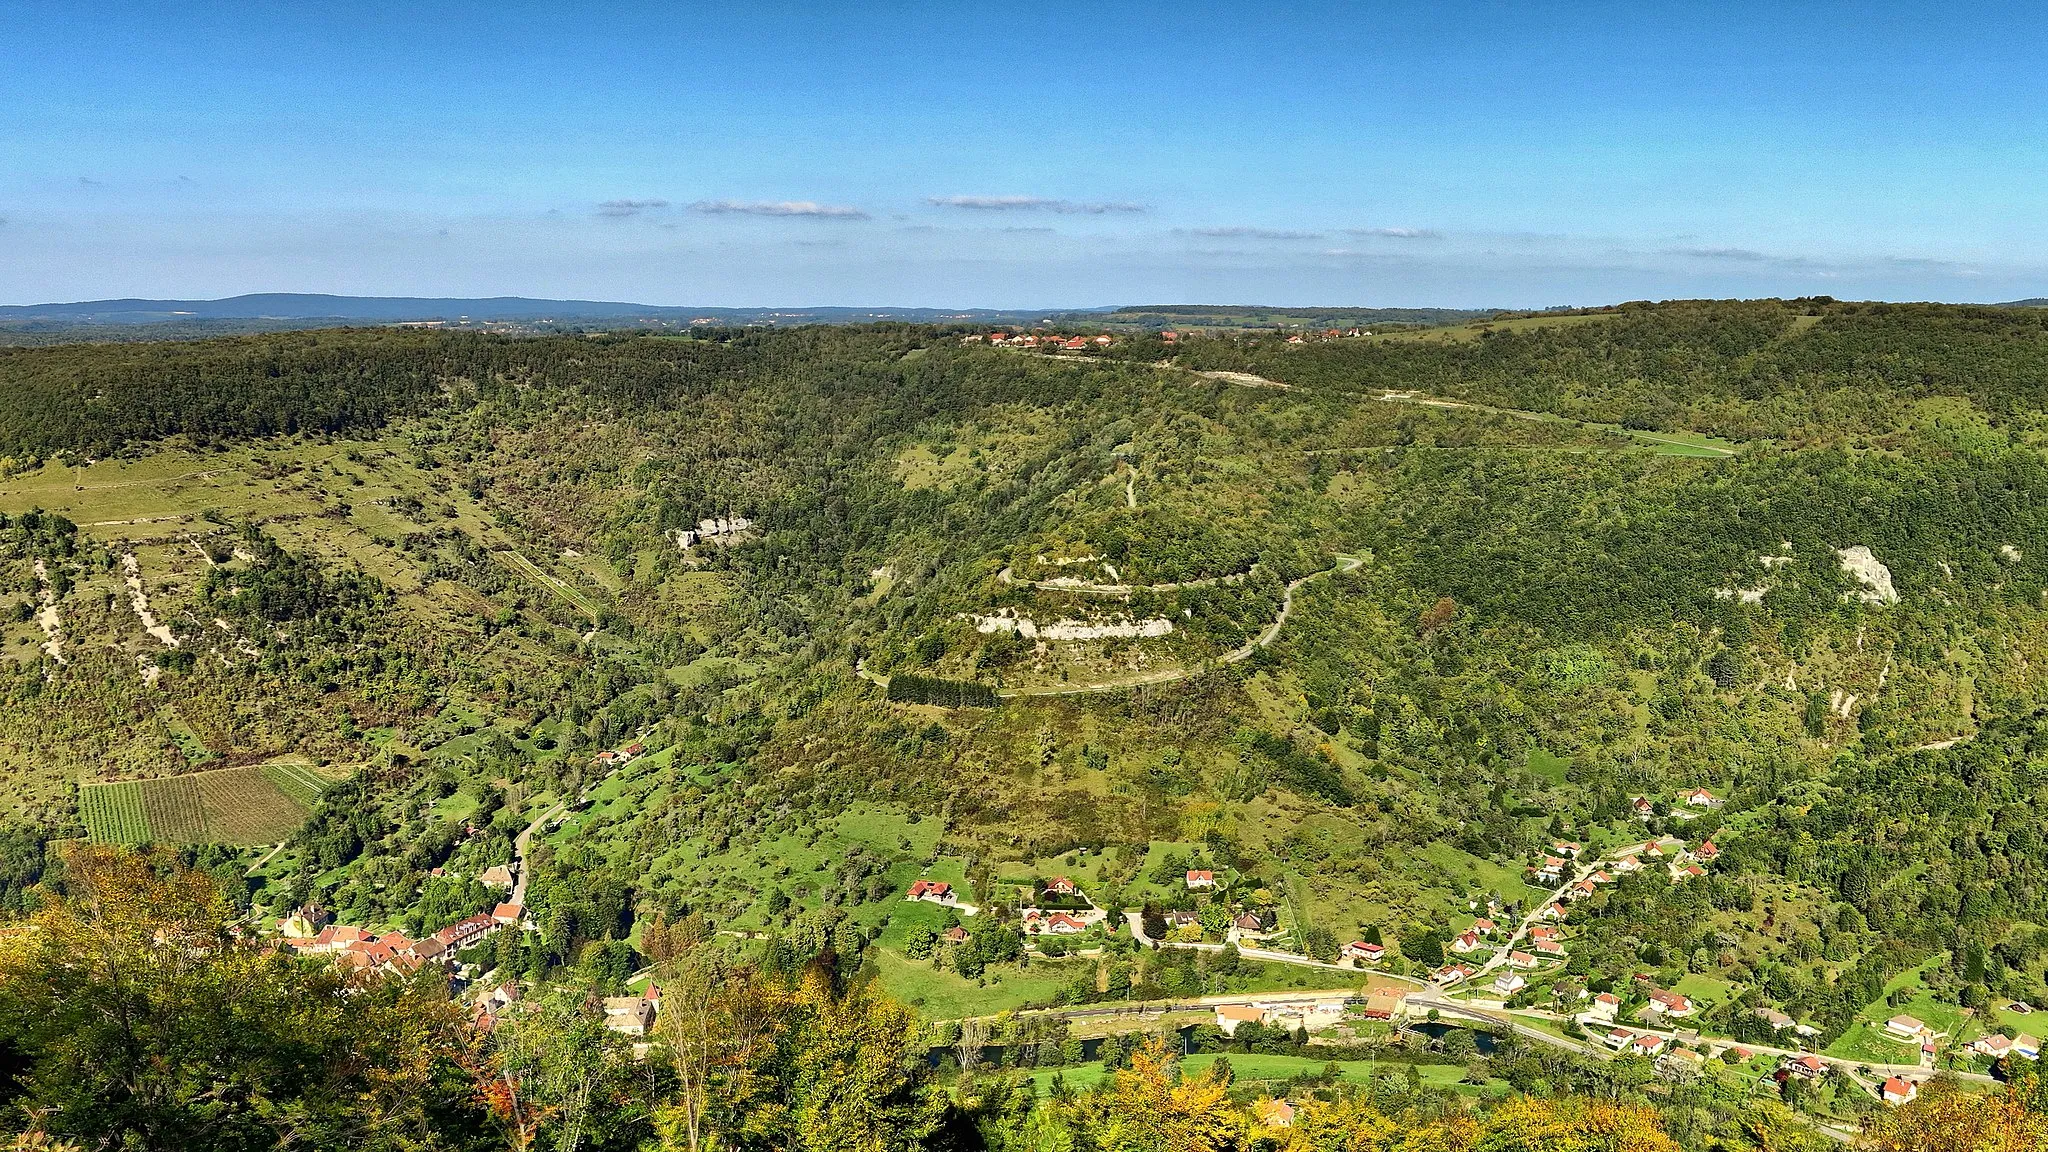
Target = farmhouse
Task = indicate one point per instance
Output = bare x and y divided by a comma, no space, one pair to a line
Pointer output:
1200,878
1060,886
1699,798
1897,1091
954,935
1364,953
508,913
1469,942
1647,1045
1248,922
1229,1016
1911,1028
1567,848
933,891
1386,1004
629,1015
497,876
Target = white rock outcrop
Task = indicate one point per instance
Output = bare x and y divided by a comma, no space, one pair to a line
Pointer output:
1859,562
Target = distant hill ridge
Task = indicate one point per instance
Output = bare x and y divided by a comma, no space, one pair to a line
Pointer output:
387,309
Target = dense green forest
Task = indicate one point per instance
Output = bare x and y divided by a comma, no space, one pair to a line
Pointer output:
1363,624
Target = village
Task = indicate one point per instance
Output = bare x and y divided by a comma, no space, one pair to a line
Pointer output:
1500,972
1504,966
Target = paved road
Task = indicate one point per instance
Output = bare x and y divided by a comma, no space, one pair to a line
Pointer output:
519,843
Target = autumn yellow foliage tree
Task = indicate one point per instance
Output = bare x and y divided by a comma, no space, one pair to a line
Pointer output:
134,1017
1945,1118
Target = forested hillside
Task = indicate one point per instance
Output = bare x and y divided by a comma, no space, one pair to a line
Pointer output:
1363,626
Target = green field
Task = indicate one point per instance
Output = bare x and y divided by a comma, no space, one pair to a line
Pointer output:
244,806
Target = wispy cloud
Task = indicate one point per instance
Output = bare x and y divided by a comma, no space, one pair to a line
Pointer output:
778,208
88,182
1740,255
1397,233
1240,233
1033,204
616,208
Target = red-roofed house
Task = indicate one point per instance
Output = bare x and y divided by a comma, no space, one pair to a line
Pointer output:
1671,1003
508,913
1364,953
1897,1091
1647,1045
1201,878
1060,886
1806,1067
1469,942
933,891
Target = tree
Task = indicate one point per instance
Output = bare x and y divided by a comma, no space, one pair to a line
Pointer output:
1944,1118
134,1018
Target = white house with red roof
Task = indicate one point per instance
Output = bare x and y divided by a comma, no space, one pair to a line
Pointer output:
1605,1007
1898,1091
1199,878
1364,953
1672,1004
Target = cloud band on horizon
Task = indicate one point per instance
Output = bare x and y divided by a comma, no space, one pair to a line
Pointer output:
1034,204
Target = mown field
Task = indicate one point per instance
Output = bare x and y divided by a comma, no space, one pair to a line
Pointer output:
243,806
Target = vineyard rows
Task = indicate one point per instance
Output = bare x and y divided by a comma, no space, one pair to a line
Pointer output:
247,806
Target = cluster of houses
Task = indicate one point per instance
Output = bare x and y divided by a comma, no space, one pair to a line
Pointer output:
620,757
1998,1047
1049,342
1691,802
1327,334
393,951
1894,1090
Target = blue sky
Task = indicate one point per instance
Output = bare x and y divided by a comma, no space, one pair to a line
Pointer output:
1026,155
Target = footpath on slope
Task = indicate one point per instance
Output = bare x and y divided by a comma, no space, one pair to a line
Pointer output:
1264,639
